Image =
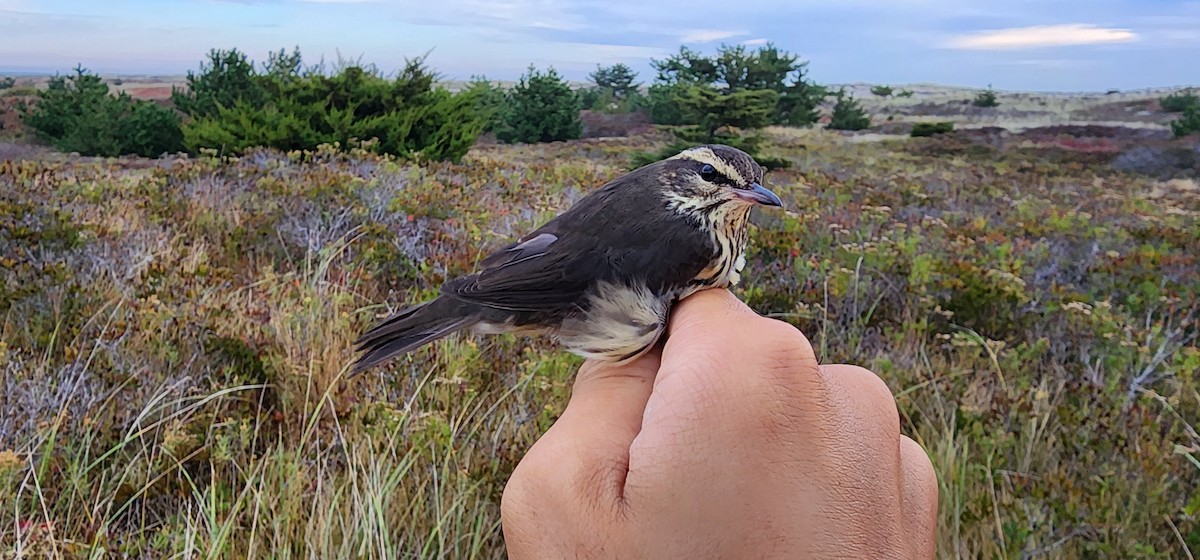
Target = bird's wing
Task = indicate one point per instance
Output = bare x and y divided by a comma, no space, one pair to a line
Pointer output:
548,269
614,234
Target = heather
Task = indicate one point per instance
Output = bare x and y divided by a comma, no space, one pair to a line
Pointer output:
176,332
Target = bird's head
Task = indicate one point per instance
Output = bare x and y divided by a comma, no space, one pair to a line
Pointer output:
715,178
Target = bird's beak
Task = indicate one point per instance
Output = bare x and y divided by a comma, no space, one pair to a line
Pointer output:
758,194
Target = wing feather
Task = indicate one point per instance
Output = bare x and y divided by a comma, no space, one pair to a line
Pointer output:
611,234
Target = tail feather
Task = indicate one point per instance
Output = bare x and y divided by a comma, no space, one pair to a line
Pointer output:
412,328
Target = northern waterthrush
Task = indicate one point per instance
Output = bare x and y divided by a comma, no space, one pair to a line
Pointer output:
603,275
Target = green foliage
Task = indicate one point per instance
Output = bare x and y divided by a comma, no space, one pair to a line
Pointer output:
542,108
848,114
236,108
7,82
986,98
227,77
661,101
600,99
906,93
1187,124
799,103
731,69
490,101
711,110
925,129
882,91
76,113
1180,102
617,80
720,117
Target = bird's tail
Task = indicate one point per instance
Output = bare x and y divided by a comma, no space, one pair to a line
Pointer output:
411,328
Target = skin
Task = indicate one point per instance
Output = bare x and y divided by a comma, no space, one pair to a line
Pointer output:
730,441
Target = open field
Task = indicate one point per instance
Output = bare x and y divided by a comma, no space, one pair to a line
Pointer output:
173,335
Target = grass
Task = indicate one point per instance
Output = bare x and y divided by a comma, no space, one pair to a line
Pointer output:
175,335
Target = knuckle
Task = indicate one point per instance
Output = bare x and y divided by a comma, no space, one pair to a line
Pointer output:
534,477
784,348
918,467
787,387
870,395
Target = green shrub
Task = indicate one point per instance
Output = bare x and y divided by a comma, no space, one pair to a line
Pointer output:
848,114
542,108
490,101
924,129
882,91
7,82
905,93
662,103
606,100
986,98
76,113
235,108
1180,102
1188,124
228,77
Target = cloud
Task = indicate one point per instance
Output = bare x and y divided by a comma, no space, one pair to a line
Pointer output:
1042,36
755,42
707,35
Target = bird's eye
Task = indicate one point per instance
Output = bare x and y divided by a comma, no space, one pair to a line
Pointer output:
708,173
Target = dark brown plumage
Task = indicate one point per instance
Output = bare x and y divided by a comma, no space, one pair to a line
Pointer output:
601,276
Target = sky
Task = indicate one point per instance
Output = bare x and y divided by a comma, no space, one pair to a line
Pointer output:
1032,45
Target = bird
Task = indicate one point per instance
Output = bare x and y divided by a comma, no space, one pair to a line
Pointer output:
602,276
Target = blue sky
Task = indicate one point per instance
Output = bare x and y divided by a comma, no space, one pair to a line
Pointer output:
1048,45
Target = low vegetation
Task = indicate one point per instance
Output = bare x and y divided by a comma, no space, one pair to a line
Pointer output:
1180,101
925,129
1188,123
175,338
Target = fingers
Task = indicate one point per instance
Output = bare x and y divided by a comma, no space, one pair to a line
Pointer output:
586,452
920,498
881,453
720,353
730,380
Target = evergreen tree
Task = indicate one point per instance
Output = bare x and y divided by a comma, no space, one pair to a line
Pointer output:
721,118
617,79
735,68
76,113
986,98
542,108
848,114
490,101
291,108
228,77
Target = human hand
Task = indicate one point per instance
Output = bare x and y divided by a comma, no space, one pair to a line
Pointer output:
729,443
